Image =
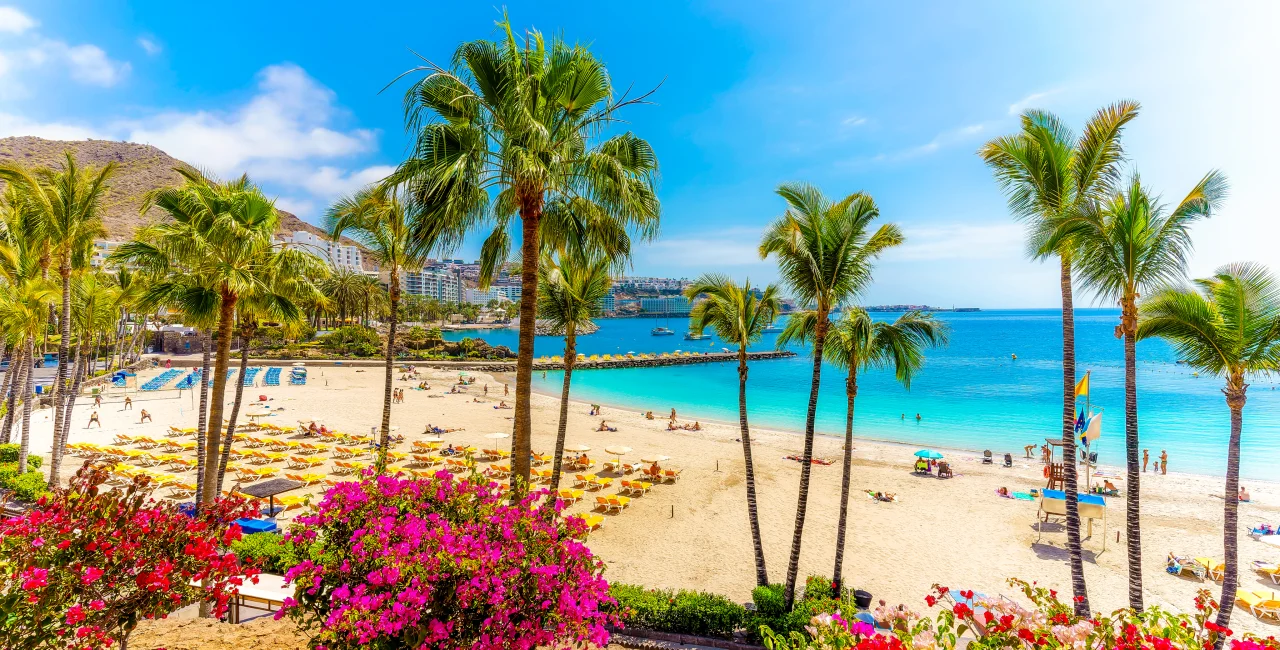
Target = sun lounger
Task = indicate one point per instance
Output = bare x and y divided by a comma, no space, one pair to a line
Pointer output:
1260,603
1215,569
602,502
569,495
671,475
1269,569
1179,564
618,503
599,483
591,521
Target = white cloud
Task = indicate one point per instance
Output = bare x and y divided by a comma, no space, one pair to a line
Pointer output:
285,136
33,52
13,21
945,139
149,46
957,241
286,122
89,64
1030,101
13,125
853,120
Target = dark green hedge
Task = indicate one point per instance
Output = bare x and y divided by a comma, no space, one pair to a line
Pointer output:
680,612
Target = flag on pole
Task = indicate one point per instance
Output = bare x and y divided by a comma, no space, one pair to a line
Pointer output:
1080,423
1082,386
1092,429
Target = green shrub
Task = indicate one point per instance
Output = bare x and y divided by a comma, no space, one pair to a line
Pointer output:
771,607
769,600
681,612
353,339
818,587
28,487
9,454
271,552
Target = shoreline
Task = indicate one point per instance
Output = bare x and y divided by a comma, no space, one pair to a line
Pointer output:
977,453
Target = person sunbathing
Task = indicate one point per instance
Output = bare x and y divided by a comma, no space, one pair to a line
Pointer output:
1004,492
583,460
502,405
696,426
312,428
654,470
604,426
648,415
1244,494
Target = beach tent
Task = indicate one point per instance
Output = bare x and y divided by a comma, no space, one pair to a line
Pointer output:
1090,506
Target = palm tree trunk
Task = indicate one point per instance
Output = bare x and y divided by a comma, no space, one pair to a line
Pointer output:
235,408
385,436
570,356
1078,590
202,420
1133,472
24,448
218,399
60,446
6,391
753,517
1235,401
64,327
521,439
23,364
806,464
851,392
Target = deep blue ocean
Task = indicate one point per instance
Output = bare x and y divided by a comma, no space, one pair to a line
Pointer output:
970,395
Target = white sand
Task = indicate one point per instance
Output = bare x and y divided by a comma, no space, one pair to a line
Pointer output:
694,534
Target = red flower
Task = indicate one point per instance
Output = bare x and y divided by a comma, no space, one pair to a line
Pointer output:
75,614
930,600
967,594
962,610
35,579
91,575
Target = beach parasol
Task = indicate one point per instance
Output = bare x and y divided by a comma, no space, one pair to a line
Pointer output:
577,448
655,459
928,453
496,436
618,450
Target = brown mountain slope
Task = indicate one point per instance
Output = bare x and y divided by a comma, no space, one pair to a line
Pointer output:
140,168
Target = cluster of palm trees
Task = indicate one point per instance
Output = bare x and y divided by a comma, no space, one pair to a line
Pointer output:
49,221
1119,241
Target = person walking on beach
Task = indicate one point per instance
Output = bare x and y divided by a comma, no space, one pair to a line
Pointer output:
1164,462
1028,448
673,416
128,403
506,390
1146,456
486,390
146,417
97,401
93,419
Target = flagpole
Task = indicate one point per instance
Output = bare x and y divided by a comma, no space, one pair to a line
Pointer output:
1088,452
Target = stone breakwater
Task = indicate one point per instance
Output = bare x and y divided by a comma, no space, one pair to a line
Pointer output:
646,361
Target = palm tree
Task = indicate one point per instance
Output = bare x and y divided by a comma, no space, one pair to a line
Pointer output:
738,317
522,120
378,219
825,252
571,290
856,343
1127,245
217,248
1049,176
1230,327
24,316
345,290
65,207
93,313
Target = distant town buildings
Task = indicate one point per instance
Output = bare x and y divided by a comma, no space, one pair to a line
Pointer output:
437,283
641,285
102,249
673,305
339,255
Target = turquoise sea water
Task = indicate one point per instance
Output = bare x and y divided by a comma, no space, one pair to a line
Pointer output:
970,395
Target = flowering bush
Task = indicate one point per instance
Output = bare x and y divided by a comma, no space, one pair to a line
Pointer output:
993,623
443,563
82,568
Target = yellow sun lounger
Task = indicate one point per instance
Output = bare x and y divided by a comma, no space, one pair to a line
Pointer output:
1260,603
1215,568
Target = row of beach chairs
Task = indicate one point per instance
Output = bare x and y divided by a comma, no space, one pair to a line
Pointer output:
159,381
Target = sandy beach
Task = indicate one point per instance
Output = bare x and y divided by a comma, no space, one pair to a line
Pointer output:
694,534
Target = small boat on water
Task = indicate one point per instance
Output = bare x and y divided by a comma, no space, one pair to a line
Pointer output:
691,336
662,331
771,329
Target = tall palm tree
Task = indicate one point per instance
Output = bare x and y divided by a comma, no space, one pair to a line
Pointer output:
65,206
221,239
1127,245
571,288
738,317
523,119
825,252
380,220
1230,327
345,290
24,316
856,343
93,312
1049,176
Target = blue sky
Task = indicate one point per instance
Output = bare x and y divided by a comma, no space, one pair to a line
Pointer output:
888,98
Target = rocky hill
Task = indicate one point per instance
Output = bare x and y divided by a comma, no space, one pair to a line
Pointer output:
140,168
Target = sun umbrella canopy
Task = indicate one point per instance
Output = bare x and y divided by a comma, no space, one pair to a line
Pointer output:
618,449
577,448
928,453
654,459
496,436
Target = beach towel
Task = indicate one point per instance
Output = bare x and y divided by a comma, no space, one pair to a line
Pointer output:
1024,496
